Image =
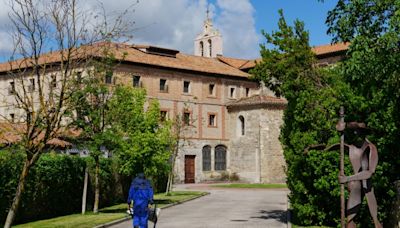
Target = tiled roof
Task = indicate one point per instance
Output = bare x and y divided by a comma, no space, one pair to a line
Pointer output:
244,64
330,48
11,133
258,100
135,54
238,63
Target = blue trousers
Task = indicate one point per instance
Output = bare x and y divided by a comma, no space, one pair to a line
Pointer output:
140,220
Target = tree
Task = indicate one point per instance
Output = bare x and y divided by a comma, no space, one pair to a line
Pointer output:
314,95
90,101
180,125
144,142
371,69
41,82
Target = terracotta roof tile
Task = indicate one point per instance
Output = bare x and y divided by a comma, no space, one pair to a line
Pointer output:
330,48
244,64
258,100
12,133
135,54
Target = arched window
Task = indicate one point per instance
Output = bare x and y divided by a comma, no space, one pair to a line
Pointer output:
220,157
210,46
207,158
241,125
202,48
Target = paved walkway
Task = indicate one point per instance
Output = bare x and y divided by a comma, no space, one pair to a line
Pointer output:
226,208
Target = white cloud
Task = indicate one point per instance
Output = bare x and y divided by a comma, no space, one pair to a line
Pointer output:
237,25
175,23
6,43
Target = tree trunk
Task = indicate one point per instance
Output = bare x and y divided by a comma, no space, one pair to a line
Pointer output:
84,194
20,189
97,186
171,174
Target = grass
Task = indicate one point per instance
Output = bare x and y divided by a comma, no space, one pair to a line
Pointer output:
107,214
296,226
244,185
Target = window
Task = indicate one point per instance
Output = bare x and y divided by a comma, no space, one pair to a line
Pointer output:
186,87
210,46
206,158
220,157
186,118
11,89
241,125
247,92
202,48
108,79
211,89
12,117
31,87
163,85
53,83
79,77
212,120
136,81
163,115
232,92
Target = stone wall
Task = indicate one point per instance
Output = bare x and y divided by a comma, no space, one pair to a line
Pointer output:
194,147
257,156
272,159
244,149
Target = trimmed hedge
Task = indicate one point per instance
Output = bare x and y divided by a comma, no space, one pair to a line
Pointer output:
54,185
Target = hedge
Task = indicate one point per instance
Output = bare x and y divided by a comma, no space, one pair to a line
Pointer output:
54,186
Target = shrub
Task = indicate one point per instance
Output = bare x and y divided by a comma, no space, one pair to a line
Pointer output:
55,184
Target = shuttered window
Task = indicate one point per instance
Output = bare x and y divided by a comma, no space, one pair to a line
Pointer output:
220,157
207,158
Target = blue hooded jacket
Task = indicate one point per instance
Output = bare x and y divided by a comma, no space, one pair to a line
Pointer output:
141,193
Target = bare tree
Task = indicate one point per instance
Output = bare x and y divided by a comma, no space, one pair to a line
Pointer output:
41,79
182,125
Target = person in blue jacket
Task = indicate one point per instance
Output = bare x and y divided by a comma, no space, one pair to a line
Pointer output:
141,193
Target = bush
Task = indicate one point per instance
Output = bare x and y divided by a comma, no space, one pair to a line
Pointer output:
55,184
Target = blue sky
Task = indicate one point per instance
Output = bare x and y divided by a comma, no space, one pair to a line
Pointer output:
175,23
312,12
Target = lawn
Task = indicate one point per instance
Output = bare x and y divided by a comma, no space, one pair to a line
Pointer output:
244,185
296,226
107,214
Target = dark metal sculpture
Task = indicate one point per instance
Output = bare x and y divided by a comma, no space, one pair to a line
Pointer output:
364,159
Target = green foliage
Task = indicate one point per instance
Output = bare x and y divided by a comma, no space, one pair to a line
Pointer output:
55,185
367,18
114,186
144,143
371,69
366,83
314,96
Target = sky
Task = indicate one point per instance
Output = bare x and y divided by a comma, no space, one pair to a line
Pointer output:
175,23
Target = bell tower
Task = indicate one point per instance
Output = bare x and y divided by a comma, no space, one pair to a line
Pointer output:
209,42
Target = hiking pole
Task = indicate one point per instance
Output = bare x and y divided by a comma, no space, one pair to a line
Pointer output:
155,214
342,202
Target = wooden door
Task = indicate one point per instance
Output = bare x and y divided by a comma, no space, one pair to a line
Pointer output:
189,168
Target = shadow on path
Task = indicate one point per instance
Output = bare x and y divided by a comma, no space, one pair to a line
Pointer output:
279,215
